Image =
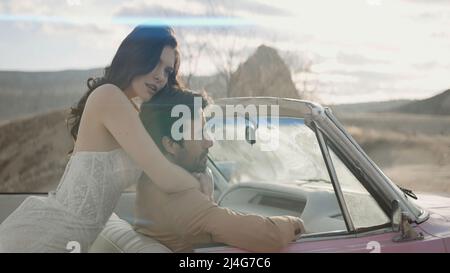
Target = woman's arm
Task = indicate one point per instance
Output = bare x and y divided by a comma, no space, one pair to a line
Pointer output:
206,181
116,113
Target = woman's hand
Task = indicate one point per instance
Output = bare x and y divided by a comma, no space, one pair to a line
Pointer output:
206,183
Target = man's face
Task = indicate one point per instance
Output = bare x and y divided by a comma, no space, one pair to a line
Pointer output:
192,154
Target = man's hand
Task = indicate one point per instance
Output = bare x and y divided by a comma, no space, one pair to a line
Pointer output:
300,229
206,183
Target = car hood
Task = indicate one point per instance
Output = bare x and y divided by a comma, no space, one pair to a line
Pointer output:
437,204
438,223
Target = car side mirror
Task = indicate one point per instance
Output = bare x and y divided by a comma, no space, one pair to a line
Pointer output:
401,222
396,216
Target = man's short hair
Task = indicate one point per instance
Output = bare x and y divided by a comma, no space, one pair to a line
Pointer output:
156,113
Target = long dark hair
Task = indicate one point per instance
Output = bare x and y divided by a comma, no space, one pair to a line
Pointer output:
138,54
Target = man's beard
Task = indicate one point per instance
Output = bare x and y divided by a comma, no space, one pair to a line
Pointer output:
197,168
200,165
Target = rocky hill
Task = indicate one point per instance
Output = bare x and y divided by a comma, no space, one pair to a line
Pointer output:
33,152
263,74
368,107
437,105
29,93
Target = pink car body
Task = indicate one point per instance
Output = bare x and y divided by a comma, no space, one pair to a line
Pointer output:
436,231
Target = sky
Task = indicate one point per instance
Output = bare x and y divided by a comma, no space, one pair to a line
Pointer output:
358,50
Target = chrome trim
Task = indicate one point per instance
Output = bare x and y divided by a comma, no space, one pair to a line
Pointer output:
382,182
335,181
425,215
325,236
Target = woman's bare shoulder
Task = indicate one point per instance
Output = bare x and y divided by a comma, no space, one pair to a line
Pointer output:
106,101
106,93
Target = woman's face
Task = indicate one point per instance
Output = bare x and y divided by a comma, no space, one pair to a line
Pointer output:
146,86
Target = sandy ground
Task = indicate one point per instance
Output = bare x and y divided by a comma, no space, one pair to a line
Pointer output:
412,150
33,153
421,178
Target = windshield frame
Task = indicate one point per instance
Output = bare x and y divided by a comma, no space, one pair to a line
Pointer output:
387,191
334,180
343,145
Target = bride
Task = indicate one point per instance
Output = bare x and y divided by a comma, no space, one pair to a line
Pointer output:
111,149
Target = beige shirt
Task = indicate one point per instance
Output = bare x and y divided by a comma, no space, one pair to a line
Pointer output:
185,219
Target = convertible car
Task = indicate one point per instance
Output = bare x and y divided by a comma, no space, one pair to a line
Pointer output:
298,161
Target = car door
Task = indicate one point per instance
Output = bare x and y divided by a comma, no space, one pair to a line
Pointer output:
374,242
370,224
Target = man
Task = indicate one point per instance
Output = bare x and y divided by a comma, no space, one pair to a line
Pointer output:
182,220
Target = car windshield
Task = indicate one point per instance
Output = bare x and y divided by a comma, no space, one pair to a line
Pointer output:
291,156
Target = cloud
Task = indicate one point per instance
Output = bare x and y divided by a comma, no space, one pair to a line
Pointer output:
407,50
35,7
371,76
236,6
55,12
182,13
429,11
431,16
428,16
426,65
356,59
186,15
440,35
154,10
186,8
429,2
431,65
340,86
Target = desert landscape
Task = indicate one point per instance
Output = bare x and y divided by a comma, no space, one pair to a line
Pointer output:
408,140
34,152
413,150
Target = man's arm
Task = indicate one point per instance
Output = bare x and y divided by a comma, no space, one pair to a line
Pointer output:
196,214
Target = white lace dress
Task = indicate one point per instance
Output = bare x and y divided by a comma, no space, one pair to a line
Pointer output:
77,211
